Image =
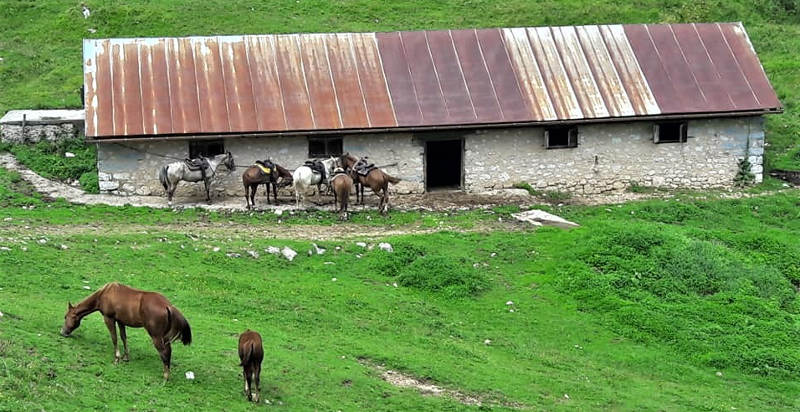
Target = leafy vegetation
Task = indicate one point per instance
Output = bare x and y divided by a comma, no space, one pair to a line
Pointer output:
49,159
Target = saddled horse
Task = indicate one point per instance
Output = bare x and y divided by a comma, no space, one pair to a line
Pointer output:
171,174
376,179
268,173
342,184
304,177
251,353
125,306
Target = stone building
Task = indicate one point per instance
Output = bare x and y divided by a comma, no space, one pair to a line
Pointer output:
31,126
587,109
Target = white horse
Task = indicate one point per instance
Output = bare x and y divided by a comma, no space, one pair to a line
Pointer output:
174,172
303,178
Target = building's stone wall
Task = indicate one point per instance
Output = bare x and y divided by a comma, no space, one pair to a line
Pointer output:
614,156
16,133
608,157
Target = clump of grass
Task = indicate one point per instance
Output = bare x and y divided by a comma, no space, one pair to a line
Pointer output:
556,196
14,191
442,275
528,187
48,159
636,187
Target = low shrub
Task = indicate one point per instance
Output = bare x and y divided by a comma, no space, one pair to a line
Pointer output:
441,275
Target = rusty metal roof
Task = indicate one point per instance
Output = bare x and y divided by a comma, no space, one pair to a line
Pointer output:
361,81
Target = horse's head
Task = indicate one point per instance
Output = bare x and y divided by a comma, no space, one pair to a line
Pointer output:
71,320
229,161
346,159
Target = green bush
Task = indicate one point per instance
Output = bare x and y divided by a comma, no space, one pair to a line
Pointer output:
391,264
89,182
47,158
441,275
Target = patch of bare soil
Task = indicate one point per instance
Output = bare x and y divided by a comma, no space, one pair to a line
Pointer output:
428,388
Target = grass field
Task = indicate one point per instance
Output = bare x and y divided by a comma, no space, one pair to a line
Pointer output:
637,310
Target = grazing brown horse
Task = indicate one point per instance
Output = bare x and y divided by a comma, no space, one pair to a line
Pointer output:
254,176
125,306
376,179
251,353
342,184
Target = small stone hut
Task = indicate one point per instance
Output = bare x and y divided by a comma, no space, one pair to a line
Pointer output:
587,109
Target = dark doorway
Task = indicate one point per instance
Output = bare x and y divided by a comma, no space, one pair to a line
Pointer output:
443,164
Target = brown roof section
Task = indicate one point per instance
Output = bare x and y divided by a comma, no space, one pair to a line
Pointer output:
361,81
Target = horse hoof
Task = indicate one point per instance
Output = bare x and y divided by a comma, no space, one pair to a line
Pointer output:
116,360
125,358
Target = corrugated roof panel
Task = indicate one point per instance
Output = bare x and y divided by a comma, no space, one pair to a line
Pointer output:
604,72
330,82
529,76
374,81
292,79
448,69
731,77
352,106
476,76
579,73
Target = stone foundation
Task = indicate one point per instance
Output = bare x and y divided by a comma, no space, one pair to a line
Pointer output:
31,126
609,157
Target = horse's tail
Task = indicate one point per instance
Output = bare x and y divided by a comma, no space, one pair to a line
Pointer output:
247,354
393,180
178,326
162,176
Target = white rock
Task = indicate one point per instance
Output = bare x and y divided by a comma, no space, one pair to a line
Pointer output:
91,30
253,253
87,287
8,219
487,342
233,255
109,185
24,249
509,303
362,244
69,154
235,320
278,212
566,396
328,263
333,279
288,253
42,241
86,12
1,314
394,284
64,247
493,254
216,249
190,375
358,256
273,250
319,250
5,248
385,246
540,217
719,373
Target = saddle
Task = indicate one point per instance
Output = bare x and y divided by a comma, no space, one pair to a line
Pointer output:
363,166
194,165
316,166
266,166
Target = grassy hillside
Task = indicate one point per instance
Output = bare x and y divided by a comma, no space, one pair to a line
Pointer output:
659,305
40,41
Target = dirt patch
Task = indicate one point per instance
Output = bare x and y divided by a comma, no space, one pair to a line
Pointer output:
428,388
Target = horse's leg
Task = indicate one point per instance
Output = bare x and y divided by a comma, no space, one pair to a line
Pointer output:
112,329
246,374
275,192
208,197
165,351
257,379
124,336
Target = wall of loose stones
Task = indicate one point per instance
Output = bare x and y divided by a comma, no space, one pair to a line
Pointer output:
613,156
33,133
609,157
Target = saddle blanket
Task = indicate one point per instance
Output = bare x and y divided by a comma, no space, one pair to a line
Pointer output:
264,169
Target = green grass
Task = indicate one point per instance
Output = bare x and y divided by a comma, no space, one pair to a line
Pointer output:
48,160
41,41
637,309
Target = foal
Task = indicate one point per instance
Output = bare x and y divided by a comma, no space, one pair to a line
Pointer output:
125,306
342,184
251,353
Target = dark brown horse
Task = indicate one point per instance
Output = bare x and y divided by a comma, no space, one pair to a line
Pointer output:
251,353
342,184
376,179
254,176
125,306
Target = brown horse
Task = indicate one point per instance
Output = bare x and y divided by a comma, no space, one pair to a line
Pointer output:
342,184
376,179
251,353
254,176
125,306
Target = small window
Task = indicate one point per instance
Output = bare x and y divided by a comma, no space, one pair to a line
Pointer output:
324,146
206,148
671,132
561,137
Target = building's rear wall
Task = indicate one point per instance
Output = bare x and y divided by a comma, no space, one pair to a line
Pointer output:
608,157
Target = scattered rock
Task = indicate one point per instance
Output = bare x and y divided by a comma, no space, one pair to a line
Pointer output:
8,219
333,279
253,254
288,253
385,246
273,250
719,373
87,287
394,284
362,244
319,250
493,254
42,241
69,154
566,396
509,303
91,30
487,342
278,212
328,263
233,255
358,256
86,12
189,375
5,248
216,249
64,247
540,217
